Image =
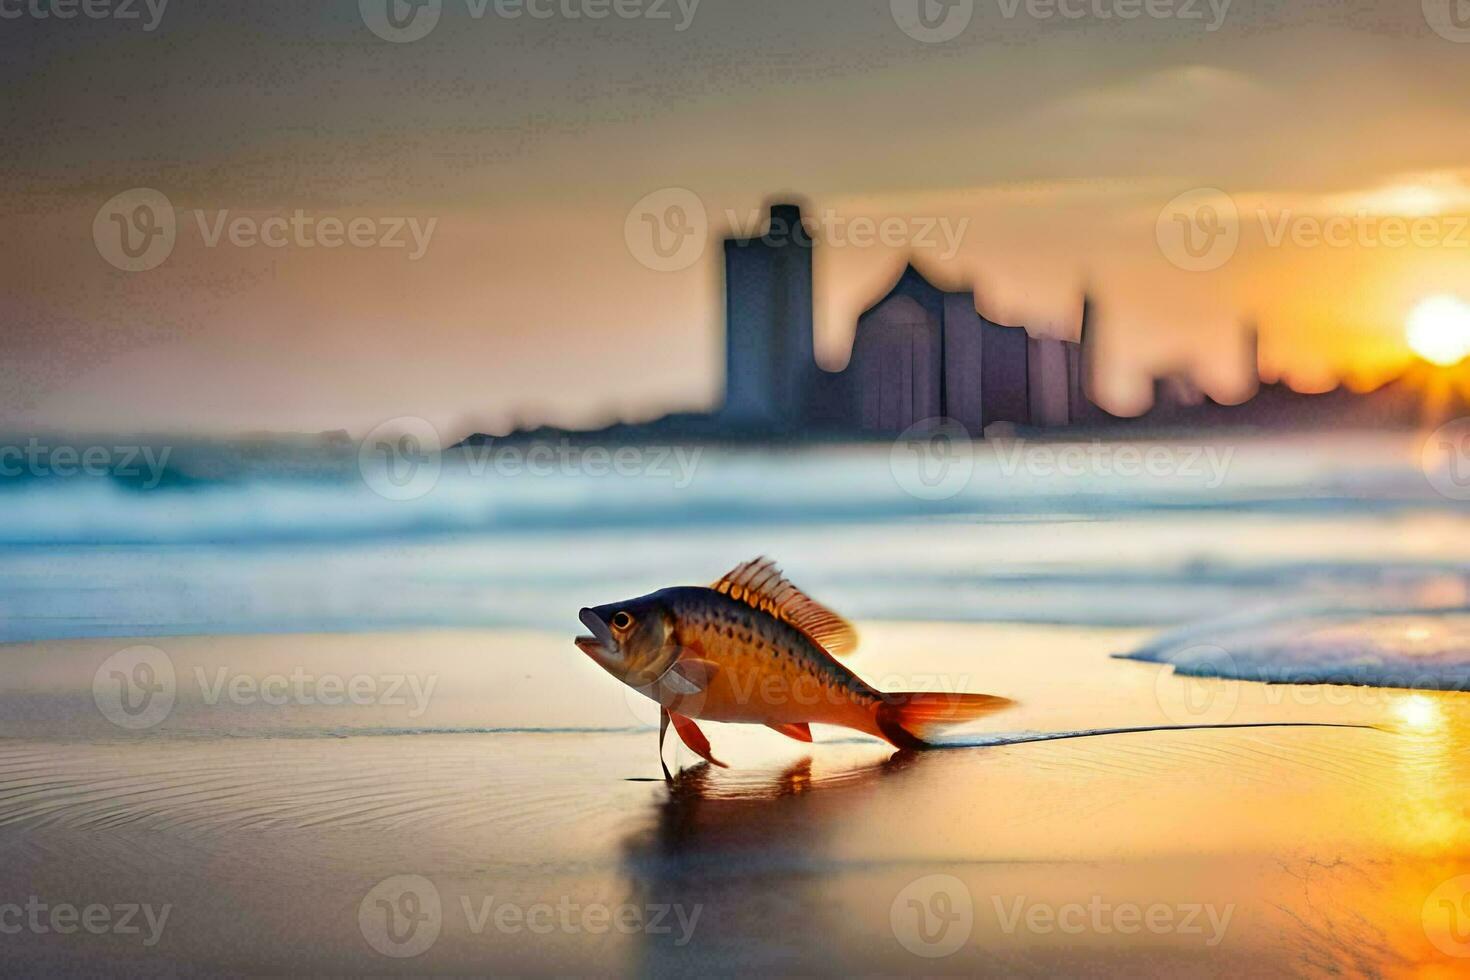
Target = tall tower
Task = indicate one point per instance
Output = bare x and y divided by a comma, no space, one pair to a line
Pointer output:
1081,368
1251,361
770,361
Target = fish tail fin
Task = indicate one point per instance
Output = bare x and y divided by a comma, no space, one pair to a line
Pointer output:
909,719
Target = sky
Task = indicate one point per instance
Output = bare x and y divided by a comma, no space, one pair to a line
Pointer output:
499,170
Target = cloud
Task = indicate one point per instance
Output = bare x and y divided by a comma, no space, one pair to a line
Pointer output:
1172,95
1402,195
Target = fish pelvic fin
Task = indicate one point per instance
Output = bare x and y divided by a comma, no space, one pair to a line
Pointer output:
760,585
690,734
909,719
800,731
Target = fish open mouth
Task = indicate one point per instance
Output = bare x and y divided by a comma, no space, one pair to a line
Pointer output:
601,639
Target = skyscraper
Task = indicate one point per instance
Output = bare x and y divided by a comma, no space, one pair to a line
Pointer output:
770,366
920,353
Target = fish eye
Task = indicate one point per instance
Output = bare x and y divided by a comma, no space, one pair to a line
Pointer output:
622,621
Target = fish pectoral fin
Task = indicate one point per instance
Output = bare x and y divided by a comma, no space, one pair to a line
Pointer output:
694,738
690,676
800,731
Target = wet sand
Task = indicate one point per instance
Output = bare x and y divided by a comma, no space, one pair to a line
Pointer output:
513,820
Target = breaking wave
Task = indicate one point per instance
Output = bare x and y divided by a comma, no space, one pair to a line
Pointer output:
1422,648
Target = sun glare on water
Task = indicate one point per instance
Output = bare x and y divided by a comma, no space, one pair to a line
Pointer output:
1439,330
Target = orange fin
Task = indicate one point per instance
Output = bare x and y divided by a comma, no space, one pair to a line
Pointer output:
800,731
910,719
760,585
694,738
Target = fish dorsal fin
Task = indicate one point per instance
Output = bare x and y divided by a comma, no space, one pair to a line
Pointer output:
760,585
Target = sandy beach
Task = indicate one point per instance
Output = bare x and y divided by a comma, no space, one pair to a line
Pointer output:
510,818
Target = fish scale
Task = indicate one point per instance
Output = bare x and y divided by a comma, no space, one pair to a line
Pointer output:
760,638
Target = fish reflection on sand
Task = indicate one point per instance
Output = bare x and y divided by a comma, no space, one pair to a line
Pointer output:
704,815
754,649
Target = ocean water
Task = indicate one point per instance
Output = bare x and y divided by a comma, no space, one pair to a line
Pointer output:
488,761
1308,558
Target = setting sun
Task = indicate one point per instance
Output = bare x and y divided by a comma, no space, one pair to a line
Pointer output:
1439,330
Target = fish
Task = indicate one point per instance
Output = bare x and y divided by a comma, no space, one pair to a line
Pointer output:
752,648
